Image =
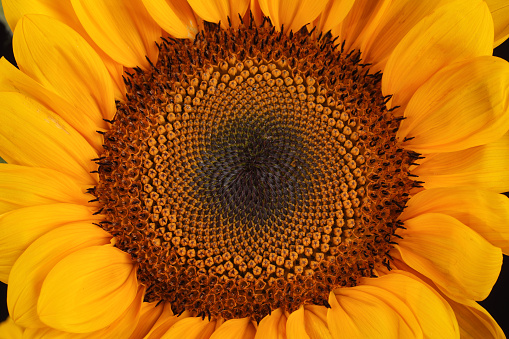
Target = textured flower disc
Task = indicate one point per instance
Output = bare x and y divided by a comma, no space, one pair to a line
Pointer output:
251,170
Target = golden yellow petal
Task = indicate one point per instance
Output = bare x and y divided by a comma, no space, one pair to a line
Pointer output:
191,328
23,226
22,186
32,267
220,10
64,148
149,314
125,324
13,80
176,17
457,31
123,30
61,60
360,21
99,280
64,12
272,326
308,322
500,12
452,255
292,14
255,9
483,167
391,28
474,321
165,321
61,10
359,313
434,315
9,330
461,106
243,328
485,212
332,15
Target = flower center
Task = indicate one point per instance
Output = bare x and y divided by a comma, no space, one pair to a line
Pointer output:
250,170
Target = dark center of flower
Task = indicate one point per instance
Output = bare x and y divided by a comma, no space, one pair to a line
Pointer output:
250,170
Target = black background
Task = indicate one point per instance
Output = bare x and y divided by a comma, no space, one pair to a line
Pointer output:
498,301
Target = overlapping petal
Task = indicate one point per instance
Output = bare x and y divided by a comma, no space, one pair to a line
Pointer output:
434,245
23,186
99,280
244,328
192,328
332,15
463,105
485,212
176,17
500,11
45,49
308,322
225,10
360,21
292,14
15,80
457,31
484,167
64,12
272,326
123,30
45,140
391,306
23,226
37,261
382,38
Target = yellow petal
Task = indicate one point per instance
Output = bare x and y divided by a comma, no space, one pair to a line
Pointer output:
125,324
500,12
308,321
13,80
463,105
165,321
475,322
22,186
176,17
23,226
457,31
451,254
272,326
123,30
9,330
215,11
255,9
484,167
120,328
235,329
60,59
44,140
358,313
333,14
433,313
99,280
149,314
62,10
191,328
485,212
360,22
292,14
391,28
36,262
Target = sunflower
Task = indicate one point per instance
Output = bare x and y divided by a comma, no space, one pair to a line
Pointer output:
253,169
